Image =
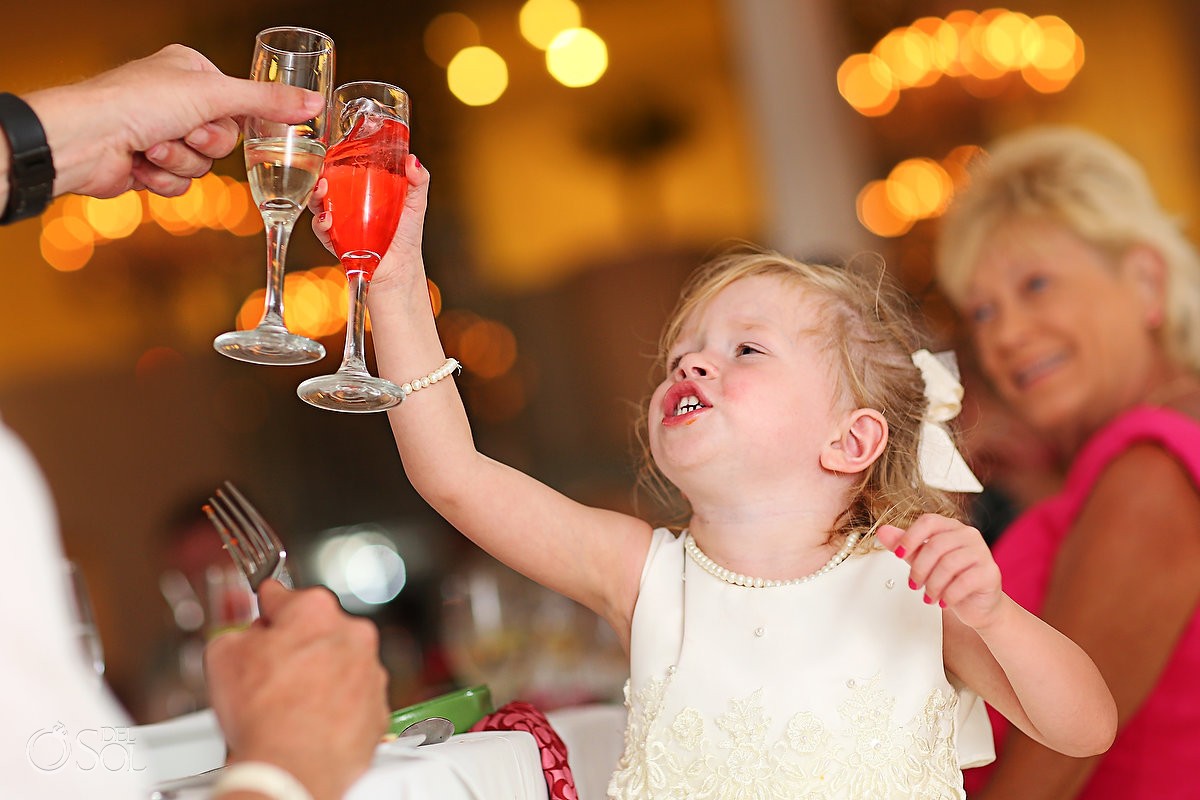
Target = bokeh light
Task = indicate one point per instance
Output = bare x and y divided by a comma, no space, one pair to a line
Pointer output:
978,48
114,217
924,185
908,54
867,84
577,57
542,20
67,243
435,297
239,216
309,306
477,76
362,567
878,215
448,33
314,300
487,348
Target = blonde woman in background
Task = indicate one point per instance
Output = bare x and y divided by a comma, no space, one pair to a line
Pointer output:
1083,300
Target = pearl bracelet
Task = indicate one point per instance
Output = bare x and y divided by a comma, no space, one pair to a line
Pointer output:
444,371
268,780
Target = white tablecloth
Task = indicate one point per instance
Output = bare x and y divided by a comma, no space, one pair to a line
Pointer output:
501,765
494,765
594,736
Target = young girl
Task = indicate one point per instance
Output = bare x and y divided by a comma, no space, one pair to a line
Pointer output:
807,635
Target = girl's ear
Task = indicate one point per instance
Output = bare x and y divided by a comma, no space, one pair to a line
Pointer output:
1148,272
857,442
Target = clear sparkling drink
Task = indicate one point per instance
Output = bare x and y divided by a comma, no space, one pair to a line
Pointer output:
282,173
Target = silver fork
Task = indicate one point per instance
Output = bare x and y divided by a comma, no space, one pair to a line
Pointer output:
256,549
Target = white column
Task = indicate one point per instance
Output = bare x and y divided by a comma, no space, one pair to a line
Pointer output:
810,145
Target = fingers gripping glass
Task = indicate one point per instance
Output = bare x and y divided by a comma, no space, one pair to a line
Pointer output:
367,185
282,165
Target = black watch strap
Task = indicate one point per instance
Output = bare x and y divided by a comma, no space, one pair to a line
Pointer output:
31,170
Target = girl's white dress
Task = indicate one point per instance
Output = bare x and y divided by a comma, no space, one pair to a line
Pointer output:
833,688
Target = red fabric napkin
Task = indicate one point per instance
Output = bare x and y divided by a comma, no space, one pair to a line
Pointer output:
521,716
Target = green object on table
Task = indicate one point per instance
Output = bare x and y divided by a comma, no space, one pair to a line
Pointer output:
464,708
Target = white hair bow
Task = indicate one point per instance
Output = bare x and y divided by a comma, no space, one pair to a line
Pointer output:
942,466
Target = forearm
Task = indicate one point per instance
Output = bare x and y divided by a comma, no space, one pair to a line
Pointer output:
1059,689
75,140
1028,771
431,428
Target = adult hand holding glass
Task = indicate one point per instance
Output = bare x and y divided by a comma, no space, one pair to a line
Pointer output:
154,123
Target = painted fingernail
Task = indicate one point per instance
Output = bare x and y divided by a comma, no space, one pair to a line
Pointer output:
900,551
942,603
416,161
324,216
912,584
928,600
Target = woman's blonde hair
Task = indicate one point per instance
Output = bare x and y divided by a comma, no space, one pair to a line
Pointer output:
868,328
1086,184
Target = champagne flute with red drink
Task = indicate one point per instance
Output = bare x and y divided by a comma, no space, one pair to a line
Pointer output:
364,171
282,165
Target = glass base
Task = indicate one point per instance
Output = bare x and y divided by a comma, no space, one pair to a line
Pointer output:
269,347
352,394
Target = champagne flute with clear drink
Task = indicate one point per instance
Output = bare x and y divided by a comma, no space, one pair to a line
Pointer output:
364,170
282,165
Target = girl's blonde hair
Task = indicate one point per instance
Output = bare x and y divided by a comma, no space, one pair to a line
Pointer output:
867,327
1090,187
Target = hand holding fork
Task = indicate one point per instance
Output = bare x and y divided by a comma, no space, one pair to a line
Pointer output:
302,688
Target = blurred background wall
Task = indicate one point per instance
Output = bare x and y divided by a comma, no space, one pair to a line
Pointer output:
562,220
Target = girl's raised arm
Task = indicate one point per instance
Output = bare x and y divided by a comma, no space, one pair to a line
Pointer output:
593,556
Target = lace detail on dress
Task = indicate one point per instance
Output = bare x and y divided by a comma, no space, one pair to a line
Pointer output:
866,757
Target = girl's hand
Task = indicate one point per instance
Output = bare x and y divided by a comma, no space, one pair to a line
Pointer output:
322,218
952,564
405,248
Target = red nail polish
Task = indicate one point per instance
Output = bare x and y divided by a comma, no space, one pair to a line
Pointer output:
417,161
900,551
324,216
912,584
942,603
928,600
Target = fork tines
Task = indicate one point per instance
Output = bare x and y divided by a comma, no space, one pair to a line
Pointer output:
253,544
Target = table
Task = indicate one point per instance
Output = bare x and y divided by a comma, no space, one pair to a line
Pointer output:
493,765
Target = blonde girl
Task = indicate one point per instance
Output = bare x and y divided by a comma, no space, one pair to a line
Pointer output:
778,646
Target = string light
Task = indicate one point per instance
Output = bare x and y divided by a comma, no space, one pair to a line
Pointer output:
979,48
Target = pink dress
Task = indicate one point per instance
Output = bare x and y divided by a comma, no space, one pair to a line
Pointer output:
1155,754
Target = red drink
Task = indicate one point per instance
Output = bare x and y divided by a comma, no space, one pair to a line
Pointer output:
367,186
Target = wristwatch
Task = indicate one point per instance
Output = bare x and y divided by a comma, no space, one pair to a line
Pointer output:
31,169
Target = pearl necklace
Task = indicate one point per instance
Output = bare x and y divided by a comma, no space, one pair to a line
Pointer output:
738,579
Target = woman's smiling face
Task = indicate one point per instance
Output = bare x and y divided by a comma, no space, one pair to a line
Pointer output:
1061,327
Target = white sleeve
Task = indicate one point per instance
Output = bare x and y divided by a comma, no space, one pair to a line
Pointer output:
63,734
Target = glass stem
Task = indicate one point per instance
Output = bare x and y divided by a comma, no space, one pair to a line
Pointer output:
279,230
356,323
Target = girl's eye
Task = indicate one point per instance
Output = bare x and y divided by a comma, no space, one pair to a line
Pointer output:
673,363
747,349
